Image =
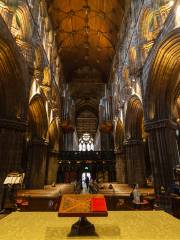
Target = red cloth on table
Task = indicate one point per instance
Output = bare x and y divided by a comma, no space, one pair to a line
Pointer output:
98,205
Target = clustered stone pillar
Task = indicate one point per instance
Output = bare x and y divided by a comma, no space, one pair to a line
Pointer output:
52,168
163,152
12,135
111,173
37,163
120,167
107,141
68,140
135,160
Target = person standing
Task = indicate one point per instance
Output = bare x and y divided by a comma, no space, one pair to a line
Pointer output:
136,194
87,182
136,197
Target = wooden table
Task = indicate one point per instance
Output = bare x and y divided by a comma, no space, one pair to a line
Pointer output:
175,199
82,206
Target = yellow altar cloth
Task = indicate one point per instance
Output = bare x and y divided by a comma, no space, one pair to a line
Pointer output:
122,225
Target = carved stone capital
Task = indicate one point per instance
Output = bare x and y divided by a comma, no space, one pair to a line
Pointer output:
13,124
67,126
106,127
27,51
119,152
53,153
39,141
160,123
133,142
38,75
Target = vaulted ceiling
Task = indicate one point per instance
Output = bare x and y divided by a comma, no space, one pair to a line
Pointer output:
86,34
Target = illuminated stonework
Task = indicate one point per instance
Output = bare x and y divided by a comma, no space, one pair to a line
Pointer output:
90,75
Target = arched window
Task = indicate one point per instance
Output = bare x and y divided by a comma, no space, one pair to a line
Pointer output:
86,143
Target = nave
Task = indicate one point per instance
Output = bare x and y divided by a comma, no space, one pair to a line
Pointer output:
90,104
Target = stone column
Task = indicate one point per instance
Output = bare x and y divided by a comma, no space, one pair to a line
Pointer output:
111,173
37,162
52,168
12,135
107,142
135,161
68,141
163,151
120,167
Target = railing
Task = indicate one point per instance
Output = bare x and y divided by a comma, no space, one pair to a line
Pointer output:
106,156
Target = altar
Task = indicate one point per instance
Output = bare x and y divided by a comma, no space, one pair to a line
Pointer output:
122,225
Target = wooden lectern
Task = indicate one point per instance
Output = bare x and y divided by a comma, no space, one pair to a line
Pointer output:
82,206
12,179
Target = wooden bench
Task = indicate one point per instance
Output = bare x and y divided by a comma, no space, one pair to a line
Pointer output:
118,196
47,199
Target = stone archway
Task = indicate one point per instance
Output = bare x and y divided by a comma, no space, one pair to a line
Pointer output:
13,105
134,142
161,95
38,145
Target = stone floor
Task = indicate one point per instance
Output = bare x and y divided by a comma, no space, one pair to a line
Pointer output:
131,225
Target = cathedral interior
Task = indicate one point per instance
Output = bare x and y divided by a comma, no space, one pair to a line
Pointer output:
90,104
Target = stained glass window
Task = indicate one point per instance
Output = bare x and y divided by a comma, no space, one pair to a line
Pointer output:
86,143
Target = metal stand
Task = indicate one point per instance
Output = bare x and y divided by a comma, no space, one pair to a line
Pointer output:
82,228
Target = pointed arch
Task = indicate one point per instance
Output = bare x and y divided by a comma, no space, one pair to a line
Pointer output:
134,118
38,121
54,133
119,135
22,23
13,77
135,158
144,24
163,85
